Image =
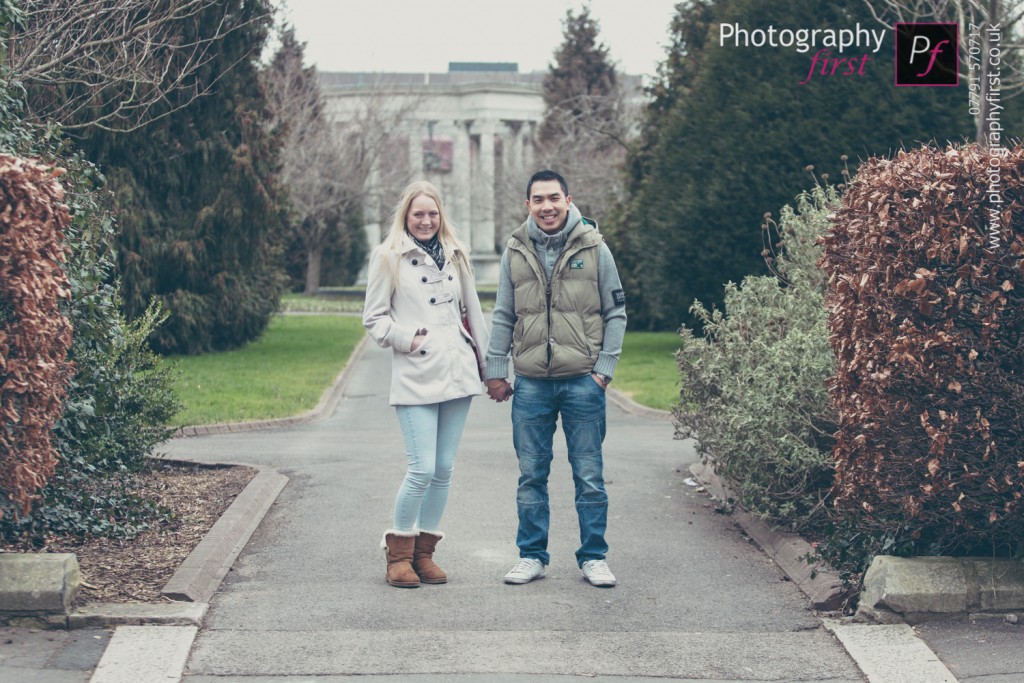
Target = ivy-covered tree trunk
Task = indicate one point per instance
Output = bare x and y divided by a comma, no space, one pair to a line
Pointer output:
314,256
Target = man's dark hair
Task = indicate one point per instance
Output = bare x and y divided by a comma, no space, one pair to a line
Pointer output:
547,175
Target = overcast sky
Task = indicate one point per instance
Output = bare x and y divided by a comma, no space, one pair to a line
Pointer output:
406,35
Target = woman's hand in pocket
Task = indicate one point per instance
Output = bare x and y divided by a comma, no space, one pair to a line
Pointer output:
417,341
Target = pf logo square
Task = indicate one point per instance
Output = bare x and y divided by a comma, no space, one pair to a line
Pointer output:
926,54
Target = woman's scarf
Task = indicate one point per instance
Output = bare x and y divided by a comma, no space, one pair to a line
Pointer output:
434,250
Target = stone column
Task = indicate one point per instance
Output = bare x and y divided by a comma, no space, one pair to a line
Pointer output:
528,131
514,146
483,185
416,135
510,176
372,216
459,194
485,261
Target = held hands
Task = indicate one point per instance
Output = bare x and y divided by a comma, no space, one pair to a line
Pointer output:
499,390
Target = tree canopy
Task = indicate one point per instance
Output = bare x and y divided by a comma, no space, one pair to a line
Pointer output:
201,214
118,64
731,135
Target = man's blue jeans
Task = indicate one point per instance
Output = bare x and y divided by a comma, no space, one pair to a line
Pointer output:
536,405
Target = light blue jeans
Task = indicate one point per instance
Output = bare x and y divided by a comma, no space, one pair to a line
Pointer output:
432,433
536,406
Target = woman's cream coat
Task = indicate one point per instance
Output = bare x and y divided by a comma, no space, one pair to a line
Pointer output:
449,363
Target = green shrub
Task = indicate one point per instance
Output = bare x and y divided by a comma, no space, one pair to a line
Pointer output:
753,386
120,397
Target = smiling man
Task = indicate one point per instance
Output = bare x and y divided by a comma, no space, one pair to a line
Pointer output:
561,313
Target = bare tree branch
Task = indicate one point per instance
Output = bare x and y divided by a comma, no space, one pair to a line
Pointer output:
589,136
117,64
974,18
333,163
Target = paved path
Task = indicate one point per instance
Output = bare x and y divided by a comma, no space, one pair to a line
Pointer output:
307,597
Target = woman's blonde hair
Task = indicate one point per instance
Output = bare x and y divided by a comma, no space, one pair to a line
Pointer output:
453,249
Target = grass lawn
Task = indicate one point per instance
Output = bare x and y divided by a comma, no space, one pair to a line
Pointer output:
647,371
284,373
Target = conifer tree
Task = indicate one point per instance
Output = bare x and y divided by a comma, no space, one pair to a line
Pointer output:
586,127
689,34
200,213
579,85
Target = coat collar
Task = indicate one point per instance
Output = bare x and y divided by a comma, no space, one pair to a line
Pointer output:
407,245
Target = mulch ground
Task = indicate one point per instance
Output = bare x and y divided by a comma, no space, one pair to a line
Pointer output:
135,570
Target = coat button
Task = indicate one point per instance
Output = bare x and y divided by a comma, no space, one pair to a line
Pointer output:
433,300
423,279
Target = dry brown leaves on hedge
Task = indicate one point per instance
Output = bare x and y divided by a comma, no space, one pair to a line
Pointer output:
34,335
926,316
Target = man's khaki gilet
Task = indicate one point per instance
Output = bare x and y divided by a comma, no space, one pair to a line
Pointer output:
561,339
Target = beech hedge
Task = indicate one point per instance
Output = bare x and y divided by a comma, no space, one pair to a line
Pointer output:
35,335
925,298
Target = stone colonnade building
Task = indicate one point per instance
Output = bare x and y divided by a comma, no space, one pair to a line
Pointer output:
469,131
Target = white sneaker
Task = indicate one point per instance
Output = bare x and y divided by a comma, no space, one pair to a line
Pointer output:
526,570
597,573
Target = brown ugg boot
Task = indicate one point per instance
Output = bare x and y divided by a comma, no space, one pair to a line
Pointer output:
423,561
398,548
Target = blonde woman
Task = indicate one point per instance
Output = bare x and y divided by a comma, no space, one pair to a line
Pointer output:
422,303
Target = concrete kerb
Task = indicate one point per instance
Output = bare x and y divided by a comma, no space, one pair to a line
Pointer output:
106,614
824,589
919,589
37,585
630,406
197,578
201,573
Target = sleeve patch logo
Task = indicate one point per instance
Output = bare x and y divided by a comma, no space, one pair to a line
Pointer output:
619,297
